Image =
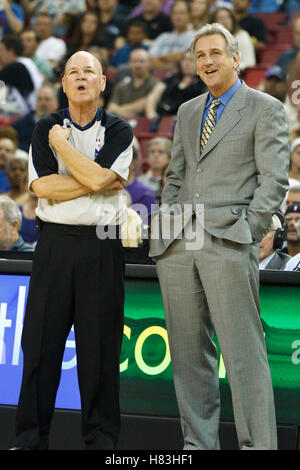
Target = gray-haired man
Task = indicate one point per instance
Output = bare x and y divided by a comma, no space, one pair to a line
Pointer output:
230,155
10,224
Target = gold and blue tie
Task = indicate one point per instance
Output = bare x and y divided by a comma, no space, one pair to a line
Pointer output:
210,123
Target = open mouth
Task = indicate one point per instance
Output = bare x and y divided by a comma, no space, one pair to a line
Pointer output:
81,88
210,72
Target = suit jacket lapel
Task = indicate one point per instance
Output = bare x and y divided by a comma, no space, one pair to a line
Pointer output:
228,120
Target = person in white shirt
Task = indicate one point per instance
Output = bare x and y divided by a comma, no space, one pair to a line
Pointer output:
225,17
168,49
50,47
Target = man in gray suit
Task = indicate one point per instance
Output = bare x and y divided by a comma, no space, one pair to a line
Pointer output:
229,165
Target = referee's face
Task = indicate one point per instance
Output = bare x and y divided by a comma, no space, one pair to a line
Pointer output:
83,80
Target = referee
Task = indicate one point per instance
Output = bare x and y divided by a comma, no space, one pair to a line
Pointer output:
79,159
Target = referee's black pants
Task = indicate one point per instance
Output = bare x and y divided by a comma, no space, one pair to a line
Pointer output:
77,280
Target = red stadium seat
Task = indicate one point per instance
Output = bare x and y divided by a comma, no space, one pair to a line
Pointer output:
284,36
254,75
166,126
141,126
273,21
270,54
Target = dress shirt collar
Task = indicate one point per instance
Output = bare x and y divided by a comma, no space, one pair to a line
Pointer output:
226,97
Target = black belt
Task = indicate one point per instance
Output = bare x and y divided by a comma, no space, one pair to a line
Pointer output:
67,229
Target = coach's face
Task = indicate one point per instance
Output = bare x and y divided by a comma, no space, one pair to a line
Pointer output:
83,80
215,67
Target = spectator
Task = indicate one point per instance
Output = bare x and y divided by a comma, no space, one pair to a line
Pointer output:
286,58
270,256
11,18
199,13
294,171
30,42
274,83
294,263
292,217
62,14
215,4
292,102
10,223
11,133
129,96
7,150
28,230
101,55
168,95
225,17
293,195
17,174
46,103
88,32
167,50
20,75
255,27
50,47
158,154
156,21
139,192
112,22
165,7
135,37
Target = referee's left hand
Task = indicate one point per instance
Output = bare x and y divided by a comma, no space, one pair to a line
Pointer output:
57,133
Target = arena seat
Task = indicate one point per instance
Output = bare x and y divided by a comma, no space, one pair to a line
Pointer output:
284,36
270,54
254,75
273,21
166,126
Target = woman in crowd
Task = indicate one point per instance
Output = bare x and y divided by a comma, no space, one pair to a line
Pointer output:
199,13
87,33
158,154
226,17
168,95
17,174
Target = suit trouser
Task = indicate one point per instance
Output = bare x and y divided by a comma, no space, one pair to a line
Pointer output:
216,289
77,280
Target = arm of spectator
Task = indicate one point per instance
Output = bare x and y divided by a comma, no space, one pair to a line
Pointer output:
128,110
167,60
153,100
15,23
29,6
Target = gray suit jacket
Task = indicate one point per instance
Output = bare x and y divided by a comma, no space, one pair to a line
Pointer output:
241,177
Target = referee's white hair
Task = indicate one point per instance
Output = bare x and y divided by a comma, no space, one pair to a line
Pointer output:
10,210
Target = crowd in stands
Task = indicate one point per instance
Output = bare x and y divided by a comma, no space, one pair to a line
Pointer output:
143,46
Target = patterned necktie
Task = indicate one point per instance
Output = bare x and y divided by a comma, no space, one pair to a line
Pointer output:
209,124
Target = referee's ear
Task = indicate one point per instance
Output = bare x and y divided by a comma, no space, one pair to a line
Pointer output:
103,83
